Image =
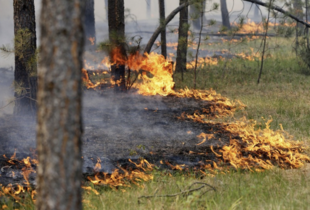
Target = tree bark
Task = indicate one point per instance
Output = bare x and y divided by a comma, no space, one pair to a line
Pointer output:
225,14
89,25
25,56
183,40
117,40
59,126
163,32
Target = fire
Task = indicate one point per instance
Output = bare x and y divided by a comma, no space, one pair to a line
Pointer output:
120,177
202,62
250,27
256,149
92,40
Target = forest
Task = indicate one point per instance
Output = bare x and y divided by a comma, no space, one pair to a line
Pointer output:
181,104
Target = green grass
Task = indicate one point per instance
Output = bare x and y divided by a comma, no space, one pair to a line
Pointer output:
273,189
283,94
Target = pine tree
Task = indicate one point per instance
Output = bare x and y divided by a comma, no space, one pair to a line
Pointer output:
59,126
25,56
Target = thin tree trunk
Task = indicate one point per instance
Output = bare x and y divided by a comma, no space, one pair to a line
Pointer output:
117,39
264,46
225,14
163,26
89,25
59,126
194,11
163,32
183,40
198,46
25,56
298,12
106,9
256,12
307,19
148,9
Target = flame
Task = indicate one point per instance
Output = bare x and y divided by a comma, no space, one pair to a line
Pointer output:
120,177
256,149
250,27
92,40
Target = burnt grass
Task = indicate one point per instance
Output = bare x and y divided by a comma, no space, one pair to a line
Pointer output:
118,127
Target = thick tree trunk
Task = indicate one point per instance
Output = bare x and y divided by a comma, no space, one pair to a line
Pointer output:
117,39
25,56
89,25
59,126
183,40
225,14
163,32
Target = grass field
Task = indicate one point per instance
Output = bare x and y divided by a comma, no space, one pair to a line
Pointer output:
283,94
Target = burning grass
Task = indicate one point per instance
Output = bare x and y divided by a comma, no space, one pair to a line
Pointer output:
253,146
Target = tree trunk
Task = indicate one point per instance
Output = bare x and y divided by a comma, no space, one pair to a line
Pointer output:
225,14
89,25
195,11
59,126
148,9
162,17
183,40
117,40
153,38
256,13
106,9
298,12
25,56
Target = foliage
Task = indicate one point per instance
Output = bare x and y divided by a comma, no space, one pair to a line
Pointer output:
21,46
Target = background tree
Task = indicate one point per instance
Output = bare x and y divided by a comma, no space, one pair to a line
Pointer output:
25,56
89,25
163,40
106,9
148,9
59,127
225,14
194,13
117,40
298,12
183,40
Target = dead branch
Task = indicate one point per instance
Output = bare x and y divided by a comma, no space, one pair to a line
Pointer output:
163,26
185,192
279,9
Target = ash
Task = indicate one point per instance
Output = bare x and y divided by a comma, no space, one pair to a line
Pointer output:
118,127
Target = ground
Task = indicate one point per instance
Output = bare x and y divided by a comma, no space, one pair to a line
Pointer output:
283,94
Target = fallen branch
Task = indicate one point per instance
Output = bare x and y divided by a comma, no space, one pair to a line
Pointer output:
279,9
186,192
163,26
